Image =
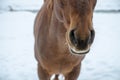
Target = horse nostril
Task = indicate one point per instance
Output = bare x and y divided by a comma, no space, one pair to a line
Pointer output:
92,36
73,37
81,41
77,41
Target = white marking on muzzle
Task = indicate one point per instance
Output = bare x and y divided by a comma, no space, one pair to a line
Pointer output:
73,50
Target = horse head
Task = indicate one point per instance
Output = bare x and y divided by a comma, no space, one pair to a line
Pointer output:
76,15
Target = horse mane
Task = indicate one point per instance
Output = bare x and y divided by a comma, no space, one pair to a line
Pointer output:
49,4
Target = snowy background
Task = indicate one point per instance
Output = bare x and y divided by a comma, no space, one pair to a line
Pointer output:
17,60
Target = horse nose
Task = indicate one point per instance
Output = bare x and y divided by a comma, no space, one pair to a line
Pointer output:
82,44
79,42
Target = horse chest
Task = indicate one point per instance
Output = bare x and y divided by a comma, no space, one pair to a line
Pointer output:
57,59
57,64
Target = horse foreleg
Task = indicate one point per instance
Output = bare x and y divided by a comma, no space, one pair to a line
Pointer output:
56,77
43,75
73,75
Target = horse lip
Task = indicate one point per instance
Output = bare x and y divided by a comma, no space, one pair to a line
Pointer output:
82,52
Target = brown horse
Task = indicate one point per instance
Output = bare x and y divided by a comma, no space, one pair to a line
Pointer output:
63,36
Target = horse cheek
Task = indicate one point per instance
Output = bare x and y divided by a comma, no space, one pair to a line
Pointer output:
58,14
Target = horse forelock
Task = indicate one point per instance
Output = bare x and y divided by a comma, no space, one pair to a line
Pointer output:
50,4
81,6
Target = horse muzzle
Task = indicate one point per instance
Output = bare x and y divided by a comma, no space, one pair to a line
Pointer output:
78,45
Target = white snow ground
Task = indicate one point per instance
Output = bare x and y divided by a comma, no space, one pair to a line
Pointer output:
16,46
17,60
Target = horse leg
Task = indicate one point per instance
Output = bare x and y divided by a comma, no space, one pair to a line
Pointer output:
56,77
42,74
73,75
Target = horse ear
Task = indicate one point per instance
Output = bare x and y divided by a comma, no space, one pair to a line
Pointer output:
58,10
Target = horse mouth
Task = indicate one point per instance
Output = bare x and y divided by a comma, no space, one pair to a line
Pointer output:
79,52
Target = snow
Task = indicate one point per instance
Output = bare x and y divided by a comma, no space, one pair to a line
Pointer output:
16,46
17,60
108,5
9,5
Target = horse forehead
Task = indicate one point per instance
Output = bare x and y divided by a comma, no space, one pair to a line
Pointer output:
80,3
81,6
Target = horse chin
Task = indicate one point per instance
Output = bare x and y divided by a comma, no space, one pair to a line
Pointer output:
79,52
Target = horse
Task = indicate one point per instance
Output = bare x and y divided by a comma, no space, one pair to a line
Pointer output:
64,33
